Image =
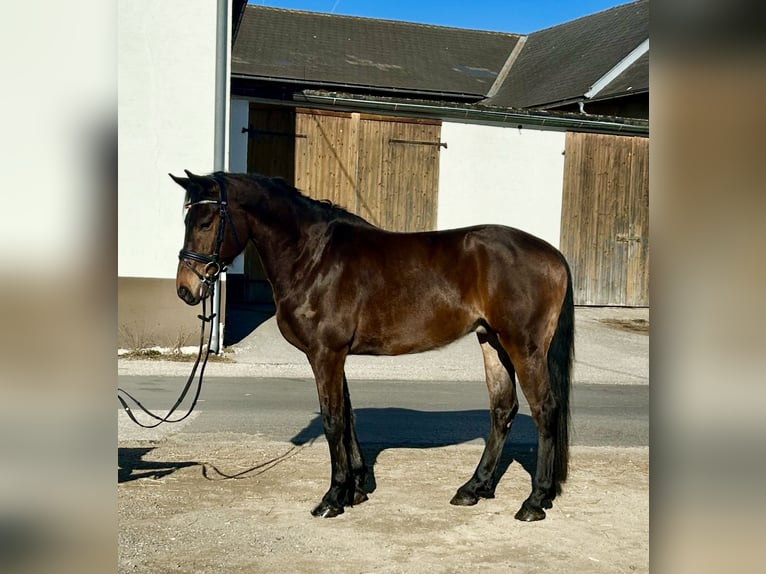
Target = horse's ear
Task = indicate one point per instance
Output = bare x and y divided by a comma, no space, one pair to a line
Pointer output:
182,181
206,184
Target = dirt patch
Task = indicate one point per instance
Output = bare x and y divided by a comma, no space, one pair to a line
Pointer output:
177,514
156,355
632,325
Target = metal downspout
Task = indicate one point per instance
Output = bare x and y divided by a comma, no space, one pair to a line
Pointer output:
221,136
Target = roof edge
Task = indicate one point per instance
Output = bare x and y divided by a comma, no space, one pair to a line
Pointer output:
618,69
465,112
582,99
277,81
388,20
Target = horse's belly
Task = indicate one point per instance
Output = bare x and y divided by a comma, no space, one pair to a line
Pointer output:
410,331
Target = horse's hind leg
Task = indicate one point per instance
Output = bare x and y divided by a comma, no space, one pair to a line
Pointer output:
534,382
503,405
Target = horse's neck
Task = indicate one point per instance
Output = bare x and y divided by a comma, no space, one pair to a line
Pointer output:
279,238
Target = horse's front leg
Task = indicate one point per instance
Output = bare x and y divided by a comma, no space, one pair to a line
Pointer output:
355,457
328,371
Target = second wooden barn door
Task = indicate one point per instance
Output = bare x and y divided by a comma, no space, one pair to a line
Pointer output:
384,169
605,218
398,174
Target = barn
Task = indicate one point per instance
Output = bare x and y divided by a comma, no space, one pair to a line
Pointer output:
414,127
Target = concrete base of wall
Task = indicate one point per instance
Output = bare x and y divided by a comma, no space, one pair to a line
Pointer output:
149,313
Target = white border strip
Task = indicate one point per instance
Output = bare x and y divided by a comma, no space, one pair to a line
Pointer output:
621,66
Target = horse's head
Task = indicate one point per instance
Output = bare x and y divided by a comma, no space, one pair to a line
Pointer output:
211,240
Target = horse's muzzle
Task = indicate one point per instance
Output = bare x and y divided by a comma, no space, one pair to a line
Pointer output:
188,297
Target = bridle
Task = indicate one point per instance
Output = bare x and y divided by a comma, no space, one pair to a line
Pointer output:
213,268
213,264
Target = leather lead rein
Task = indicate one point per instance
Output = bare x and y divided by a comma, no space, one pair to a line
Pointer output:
166,418
213,269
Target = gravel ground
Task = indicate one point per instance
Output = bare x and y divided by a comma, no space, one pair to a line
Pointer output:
179,513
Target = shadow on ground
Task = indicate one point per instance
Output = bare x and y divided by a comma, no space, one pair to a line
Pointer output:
380,429
132,466
242,319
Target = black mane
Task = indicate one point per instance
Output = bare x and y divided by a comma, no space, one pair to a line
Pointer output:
323,209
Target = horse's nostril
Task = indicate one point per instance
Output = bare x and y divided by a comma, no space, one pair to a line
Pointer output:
187,296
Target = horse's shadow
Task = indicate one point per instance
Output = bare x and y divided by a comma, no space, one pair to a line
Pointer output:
379,429
132,466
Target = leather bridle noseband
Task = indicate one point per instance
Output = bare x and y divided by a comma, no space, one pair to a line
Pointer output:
213,264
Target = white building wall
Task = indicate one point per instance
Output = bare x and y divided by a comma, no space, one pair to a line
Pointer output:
168,54
505,175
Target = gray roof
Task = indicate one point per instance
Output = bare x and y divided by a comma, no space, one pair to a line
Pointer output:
322,49
561,63
633,80
556,65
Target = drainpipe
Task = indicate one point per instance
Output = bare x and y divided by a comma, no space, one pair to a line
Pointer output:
221,136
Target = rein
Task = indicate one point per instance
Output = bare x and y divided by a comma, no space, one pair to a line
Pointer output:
166,418
209,277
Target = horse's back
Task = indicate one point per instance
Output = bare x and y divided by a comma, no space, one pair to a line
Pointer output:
411,292
486,254
496,256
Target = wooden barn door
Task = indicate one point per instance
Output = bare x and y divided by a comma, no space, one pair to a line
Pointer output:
384,169
270,151
605,218
398,172
326,155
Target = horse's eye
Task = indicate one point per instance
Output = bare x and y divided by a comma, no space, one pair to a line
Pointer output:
205,225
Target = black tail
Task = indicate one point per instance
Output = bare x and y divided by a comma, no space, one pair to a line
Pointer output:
560,357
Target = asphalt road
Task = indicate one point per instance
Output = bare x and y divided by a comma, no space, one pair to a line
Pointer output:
389,413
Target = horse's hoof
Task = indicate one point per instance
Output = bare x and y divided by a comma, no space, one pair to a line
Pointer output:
529,513
360,496
463,499
325,510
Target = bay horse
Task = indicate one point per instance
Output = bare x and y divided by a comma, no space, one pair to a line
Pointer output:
343,286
